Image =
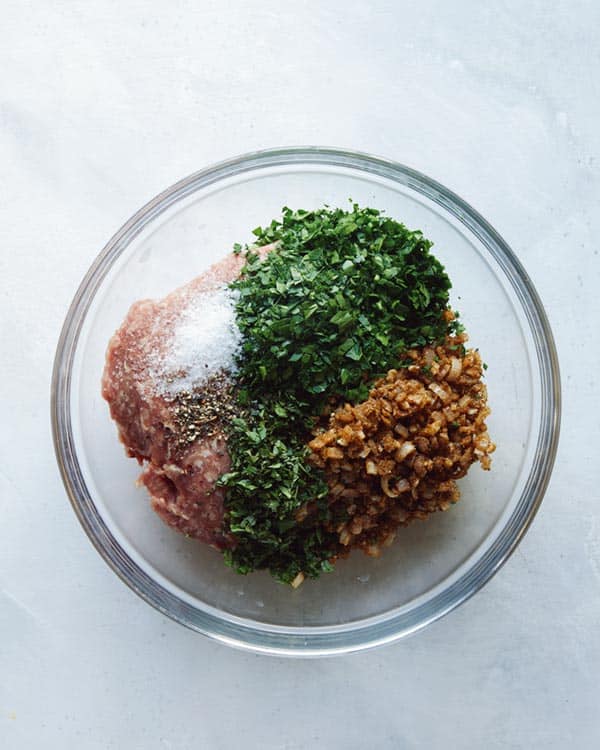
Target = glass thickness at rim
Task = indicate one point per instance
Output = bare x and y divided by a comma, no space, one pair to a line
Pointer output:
292,641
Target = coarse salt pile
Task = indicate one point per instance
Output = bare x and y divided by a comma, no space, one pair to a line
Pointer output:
204,342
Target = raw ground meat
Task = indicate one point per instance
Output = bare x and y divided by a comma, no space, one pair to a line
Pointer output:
180,480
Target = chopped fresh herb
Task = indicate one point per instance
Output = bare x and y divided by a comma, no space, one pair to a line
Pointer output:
334,307
346,292
269,484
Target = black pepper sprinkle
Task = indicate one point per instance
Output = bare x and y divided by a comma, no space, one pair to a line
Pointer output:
204,411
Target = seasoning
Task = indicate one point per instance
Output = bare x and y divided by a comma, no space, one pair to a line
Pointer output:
204,342
206,410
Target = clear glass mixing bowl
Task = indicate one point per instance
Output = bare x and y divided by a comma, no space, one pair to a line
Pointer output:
434,565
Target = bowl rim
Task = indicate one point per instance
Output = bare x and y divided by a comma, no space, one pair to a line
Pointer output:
282,640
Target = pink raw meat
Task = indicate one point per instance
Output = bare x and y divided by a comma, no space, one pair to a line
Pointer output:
181,481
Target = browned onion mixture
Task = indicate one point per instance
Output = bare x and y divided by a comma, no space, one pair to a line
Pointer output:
396,457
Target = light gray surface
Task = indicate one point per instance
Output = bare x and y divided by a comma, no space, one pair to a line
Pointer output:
101,106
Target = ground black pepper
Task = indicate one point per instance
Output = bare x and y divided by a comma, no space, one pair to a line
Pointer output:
204,411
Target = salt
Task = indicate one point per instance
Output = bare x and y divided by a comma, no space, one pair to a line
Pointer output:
205,341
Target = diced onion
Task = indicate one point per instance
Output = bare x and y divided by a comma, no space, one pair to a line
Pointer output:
404,450
455,369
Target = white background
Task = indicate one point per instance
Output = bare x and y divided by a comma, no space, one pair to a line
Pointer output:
102,105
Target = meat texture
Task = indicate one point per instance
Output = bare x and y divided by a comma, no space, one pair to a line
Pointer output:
181,480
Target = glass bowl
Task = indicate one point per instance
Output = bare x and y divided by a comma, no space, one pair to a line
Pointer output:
433,565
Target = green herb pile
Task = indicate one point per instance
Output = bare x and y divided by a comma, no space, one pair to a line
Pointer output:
270,480
324,315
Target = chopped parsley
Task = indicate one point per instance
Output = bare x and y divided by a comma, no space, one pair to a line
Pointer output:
344,295
270,481
322,317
